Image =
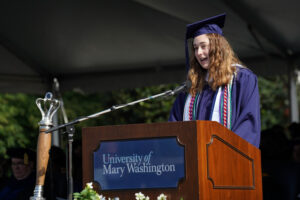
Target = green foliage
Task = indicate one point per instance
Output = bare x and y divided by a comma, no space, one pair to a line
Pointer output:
18,121
274,101
87,194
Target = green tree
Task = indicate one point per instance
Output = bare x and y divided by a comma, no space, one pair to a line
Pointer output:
18,121
274,101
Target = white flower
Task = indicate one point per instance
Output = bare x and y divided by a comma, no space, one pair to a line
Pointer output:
147,198
139,196
162,197
101,197
90,185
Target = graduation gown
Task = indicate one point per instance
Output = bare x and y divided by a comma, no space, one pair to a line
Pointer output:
18,189
245,106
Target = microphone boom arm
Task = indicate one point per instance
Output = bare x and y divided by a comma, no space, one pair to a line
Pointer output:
116,107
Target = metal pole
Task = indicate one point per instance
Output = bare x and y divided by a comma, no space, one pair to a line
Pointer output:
294,114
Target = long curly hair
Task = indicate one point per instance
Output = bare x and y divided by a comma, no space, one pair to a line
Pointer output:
220,71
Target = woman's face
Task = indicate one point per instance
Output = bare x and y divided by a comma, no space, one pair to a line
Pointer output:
201,48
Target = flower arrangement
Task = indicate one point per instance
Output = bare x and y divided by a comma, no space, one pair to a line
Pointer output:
88,193
141,196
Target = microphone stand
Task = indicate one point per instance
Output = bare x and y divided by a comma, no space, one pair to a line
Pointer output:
70,129
69,159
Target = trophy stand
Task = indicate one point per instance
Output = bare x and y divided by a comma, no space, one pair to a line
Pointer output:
48,106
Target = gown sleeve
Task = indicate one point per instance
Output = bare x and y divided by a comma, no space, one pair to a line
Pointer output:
176,113
247,120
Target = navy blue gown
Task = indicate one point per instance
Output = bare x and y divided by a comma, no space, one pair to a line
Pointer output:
245,106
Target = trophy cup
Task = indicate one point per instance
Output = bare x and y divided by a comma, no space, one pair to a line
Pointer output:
48,106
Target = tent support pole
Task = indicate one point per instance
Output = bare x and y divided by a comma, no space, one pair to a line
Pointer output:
294,114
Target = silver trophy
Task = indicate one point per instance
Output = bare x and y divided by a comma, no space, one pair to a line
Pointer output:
48,107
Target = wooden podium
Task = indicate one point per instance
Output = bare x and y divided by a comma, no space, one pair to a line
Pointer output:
218,163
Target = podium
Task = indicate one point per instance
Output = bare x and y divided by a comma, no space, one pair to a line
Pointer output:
217,163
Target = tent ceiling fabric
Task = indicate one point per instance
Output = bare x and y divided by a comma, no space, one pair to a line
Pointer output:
104,45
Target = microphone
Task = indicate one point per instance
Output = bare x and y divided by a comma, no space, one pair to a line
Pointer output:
184,87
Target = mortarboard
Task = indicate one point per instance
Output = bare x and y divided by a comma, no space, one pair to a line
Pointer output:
22,153
210,25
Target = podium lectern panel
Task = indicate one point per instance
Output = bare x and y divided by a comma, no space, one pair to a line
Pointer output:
217,163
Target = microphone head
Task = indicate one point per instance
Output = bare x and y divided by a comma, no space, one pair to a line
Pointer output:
188,85
182,88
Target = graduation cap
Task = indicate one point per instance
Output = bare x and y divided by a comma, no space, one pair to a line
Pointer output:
209,25
23,153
